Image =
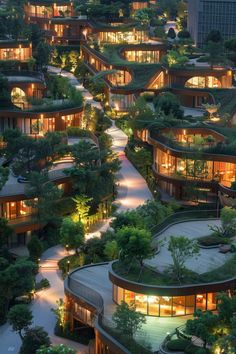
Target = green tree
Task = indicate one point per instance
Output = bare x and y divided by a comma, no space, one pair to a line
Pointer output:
127,218
202,326
171,33
215,53
226,307
71,234
127,319
35,248
175,59
33,340
82,207
111,250
5,97
169,103
43,197
56,349
42,54
5,231
20,318
18,279
135,243
214,36
181,249
228,223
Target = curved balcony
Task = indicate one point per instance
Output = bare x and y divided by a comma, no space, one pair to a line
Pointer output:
175,290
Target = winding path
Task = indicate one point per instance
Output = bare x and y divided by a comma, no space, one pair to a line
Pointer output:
132,192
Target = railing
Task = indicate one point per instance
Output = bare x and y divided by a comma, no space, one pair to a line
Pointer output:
106,328
183,216
87,294
27,73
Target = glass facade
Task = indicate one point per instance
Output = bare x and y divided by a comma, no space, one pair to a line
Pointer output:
198,169
120,37
165,306
142,56
15,210
203,82
15,53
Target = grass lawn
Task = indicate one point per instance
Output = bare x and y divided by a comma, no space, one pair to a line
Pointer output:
152,277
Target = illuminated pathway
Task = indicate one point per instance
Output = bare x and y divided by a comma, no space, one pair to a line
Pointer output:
132,192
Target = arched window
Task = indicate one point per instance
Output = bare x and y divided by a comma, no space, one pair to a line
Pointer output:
18,97
203,82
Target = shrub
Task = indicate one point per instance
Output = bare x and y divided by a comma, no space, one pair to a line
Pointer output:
212,240
178,344
75,262
83,336
75,131
44,283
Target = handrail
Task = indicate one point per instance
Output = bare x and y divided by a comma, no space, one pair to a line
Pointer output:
94,299
176,218
27,73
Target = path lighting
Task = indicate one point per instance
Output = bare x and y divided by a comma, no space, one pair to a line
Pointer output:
68,267
39,262
67,248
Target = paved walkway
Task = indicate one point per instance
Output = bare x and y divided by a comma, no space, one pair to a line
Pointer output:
132,192
207,260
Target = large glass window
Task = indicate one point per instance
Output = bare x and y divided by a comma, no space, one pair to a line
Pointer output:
129,297
211,301
203,82
178,305
166,306
190,304
201,302
153,305
141,303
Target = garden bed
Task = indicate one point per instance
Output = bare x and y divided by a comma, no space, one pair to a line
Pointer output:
213,240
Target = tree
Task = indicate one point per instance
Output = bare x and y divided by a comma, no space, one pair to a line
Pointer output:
226,307
5,97
43,196
20,318
17,279
5,231
135,243
214,36
181,249
127,218
56,349
33,340
215,53
184,34
127,319
175,59
228,223
202,326
111,250
35,248
171,33
169,103
42,54
71,234
82,207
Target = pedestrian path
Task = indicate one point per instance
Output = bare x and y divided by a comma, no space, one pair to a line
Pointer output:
132,192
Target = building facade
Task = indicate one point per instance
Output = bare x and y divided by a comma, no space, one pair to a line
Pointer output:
206,15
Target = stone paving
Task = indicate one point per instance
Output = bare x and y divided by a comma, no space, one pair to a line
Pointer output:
208,259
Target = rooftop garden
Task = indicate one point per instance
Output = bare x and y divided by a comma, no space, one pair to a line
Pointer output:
207,144
142,72
132,266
